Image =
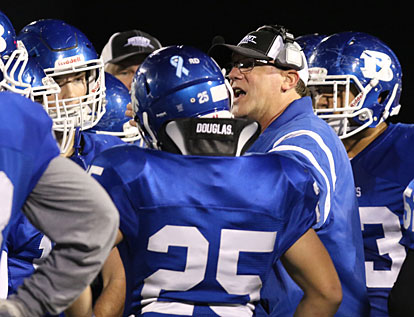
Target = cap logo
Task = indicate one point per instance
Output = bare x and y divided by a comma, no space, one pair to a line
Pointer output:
248,39
139,41
177,62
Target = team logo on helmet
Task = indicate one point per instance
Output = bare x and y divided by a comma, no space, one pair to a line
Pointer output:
376,65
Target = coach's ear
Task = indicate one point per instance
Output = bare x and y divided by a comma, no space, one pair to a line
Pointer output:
290,79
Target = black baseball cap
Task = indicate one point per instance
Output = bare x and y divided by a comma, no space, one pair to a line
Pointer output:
123,45
257,44
262,44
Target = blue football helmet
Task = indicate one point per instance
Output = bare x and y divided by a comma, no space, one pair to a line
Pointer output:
178,82
114,121
29,79
308,42
61,49
18,72
362,71
13,57
8,41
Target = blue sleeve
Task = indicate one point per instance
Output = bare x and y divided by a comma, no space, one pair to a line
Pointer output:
308,148
301,207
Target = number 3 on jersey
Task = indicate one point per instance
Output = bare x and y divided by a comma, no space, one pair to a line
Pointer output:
389,244
232,243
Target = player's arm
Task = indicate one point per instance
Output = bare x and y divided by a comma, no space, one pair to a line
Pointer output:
77,214
112,299
310,266
400,298
82,307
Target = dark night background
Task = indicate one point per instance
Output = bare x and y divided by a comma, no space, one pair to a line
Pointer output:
197,22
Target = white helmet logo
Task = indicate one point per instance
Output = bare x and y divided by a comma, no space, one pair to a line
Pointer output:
376,65
3,44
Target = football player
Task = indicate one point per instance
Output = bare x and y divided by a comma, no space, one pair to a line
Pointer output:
358,79
114,121
67,56
60,199
199,232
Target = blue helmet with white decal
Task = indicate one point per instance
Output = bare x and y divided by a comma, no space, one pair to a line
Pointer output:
363,77
114,121
8,41
178,82
63,50
13,55
18,72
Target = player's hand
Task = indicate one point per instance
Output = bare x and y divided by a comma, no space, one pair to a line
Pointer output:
130,113
13,308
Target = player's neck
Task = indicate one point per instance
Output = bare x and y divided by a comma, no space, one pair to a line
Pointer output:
357,143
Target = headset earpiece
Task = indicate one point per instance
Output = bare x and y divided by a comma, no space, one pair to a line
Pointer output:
290,55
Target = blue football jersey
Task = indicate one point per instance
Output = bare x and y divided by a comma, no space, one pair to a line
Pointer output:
89,144
299,134
201,233
408,234
27,146
26,247
382,171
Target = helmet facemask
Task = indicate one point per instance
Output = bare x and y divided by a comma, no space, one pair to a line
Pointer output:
12,68
352,106
83,111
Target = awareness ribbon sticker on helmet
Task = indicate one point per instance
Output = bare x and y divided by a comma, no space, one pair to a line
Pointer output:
177,62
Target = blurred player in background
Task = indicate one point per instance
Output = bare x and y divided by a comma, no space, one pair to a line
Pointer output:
358,80
125,51
114,121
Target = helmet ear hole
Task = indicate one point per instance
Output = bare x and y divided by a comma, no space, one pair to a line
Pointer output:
147,87
383,95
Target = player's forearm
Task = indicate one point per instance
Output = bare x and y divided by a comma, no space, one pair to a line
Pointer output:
74,211
309,265
111,300
315,306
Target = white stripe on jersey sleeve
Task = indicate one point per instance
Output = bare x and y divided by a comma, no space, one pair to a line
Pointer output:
314,162
321,144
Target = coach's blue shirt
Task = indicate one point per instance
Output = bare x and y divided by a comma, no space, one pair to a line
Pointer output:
299,134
